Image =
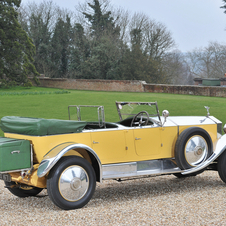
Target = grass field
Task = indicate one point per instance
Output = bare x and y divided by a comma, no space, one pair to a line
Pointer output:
50,103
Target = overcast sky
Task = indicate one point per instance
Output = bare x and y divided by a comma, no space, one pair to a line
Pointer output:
193,23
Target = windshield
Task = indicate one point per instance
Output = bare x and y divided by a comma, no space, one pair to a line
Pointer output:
128,109
88,113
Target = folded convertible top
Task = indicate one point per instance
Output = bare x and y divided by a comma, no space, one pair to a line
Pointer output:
40,126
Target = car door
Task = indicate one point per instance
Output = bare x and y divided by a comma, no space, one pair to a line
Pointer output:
148,141
110,145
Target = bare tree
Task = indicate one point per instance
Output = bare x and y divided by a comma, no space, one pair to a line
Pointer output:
208,62
123,19
175,68
46,11
158,40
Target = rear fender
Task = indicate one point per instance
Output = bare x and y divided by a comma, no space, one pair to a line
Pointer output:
220,148
54,155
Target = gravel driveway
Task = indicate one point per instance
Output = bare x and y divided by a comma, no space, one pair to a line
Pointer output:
164,200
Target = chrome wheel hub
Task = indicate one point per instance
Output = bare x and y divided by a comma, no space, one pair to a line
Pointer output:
76,184
196,150
73,183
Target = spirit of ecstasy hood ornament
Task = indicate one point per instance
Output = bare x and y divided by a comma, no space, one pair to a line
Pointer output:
207,108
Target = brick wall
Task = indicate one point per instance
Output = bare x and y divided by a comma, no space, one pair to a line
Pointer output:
131,86
223,81
212,91
93,84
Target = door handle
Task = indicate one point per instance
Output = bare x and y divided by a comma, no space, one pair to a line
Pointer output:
137,138
95,142
13,152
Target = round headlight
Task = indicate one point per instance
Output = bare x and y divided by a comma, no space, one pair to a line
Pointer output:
165,113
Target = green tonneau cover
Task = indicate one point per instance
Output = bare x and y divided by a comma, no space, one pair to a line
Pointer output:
40,126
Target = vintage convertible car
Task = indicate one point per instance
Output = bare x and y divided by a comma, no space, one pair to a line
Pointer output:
68,156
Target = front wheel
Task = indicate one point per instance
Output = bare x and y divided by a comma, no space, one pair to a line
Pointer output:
221,166
71,183
193,147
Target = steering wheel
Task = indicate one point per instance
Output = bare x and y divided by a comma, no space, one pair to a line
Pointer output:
141,122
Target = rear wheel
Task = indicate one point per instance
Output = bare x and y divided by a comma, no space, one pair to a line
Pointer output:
192,148
71,183
22,191
179,175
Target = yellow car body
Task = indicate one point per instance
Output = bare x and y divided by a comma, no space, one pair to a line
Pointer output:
141,144
118,146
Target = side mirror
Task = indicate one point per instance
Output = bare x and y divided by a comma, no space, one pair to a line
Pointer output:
165,114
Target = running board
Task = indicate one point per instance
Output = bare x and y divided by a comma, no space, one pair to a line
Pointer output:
131,169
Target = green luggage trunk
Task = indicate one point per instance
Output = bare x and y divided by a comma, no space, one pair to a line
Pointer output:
15,154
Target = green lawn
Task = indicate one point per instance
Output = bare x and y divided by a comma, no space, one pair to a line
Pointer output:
45,103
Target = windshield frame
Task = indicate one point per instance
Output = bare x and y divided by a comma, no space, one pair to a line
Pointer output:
119,105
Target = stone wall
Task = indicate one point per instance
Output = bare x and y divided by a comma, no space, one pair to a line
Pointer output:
131,86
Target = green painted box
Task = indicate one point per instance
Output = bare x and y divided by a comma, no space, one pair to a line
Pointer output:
211,82
15,154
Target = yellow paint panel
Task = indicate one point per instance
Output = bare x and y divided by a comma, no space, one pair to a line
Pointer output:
211,129
110,146
44,144
33,179
116,146
147,141
169,137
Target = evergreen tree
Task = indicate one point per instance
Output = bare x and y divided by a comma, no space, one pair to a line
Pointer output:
224,6
39,21
134,59
137,64
61,44
105,60
16,48
80,53
105,45
40,34
101,23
